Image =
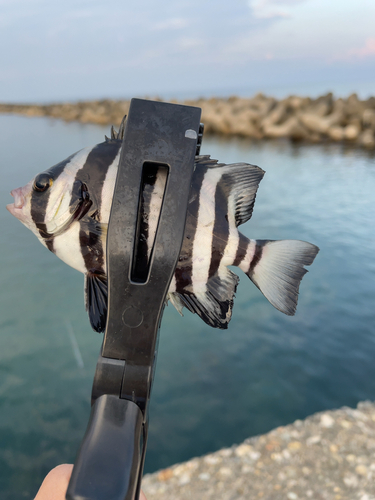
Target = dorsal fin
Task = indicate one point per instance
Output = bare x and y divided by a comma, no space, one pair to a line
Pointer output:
117,135
207,161
240,183
121,130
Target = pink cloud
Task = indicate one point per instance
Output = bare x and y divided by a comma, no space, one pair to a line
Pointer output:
368,50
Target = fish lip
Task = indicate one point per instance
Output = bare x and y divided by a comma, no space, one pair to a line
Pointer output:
16,211
19,198
16,208
10,207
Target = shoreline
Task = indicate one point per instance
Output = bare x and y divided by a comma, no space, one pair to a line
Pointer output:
329,455
300,119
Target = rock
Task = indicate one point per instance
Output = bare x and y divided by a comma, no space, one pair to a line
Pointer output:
351,132
367,139
368,118
354,107
313,440
292,496
297,103
165,474
294,446
243,449
313,122
292,128
370,103
319,124
351,480
264,105
336,133
278,115
346,424
361,470
242,124
204,476
226,471
322,106
326,420
213,122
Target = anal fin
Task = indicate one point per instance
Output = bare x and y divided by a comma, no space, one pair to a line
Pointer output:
96,298
215,304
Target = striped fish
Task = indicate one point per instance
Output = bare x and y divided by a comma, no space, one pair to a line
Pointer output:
68,206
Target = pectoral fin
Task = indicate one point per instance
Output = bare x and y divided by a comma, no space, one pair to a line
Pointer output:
96,297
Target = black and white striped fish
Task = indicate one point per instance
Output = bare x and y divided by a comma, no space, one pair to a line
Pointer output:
67,207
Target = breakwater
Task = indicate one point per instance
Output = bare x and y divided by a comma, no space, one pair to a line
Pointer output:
328,456
324,119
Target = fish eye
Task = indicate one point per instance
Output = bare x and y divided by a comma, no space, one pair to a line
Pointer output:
42,182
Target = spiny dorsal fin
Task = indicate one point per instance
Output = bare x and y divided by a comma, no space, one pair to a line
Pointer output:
121,130
207,161
117,135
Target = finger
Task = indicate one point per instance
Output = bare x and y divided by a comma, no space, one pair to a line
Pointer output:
55,483
142,496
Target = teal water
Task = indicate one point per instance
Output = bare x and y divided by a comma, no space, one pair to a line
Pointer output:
213,388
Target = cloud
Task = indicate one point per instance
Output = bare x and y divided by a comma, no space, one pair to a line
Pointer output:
175,23
272,9
368,50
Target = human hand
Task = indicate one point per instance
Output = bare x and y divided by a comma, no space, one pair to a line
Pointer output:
56,483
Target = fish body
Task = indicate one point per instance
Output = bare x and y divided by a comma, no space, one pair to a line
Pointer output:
68,206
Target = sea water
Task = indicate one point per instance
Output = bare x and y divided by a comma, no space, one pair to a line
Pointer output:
213,388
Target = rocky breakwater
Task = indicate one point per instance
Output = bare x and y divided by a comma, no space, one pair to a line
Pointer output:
102,112
328,456
324,119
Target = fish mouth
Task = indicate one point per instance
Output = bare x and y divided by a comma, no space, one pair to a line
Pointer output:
16,207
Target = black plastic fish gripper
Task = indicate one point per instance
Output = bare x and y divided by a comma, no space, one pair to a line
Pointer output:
109,464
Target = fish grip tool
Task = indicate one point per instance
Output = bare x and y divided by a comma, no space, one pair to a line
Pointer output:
109,464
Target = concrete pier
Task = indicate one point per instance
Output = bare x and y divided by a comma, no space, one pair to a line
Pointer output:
328,456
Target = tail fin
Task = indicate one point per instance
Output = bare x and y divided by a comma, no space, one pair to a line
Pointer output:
277,269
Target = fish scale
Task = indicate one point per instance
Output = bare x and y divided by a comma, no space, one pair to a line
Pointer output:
221,198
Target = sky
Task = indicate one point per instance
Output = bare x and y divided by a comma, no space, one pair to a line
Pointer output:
81,49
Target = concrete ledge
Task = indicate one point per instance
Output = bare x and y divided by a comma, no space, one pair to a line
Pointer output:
330,455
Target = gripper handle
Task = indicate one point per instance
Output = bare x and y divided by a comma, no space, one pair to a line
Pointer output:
108,462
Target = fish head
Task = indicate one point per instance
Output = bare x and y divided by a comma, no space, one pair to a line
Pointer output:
67,207
53,199
76,189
